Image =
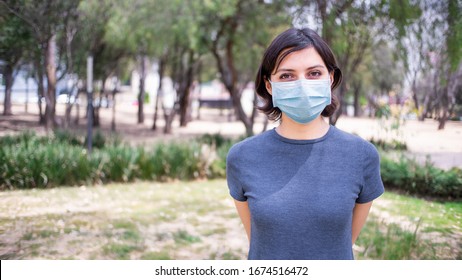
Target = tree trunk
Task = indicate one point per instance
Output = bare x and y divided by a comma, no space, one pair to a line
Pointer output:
162,63
38,75
9,79
340,94
185,90
448,99
443,108
169,115
356,95
141,90
97,119
184,104
414,95
229,79
50,96
67,114
26,104
239,110
113,121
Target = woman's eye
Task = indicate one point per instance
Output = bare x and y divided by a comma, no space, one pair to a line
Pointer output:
285,76
315,74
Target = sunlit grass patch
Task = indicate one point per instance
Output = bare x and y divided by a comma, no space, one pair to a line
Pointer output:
120,251
229,255
444,217
156,256
217,230
183,237
379,240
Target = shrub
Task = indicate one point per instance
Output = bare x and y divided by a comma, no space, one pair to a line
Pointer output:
118,163
387,146
426,180
28,161
39,165
66,136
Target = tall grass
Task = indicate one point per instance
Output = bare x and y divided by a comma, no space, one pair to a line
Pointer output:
382,241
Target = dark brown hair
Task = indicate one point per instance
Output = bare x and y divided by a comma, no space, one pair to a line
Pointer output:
287,42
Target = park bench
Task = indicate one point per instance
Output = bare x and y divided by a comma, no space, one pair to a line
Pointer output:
221,104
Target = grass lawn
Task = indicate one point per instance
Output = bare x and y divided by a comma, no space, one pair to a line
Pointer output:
193,220
404,227
144,220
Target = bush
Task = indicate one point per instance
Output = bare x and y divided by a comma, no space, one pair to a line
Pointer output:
426,180
29,161
66,136
33,164
221,146
388,146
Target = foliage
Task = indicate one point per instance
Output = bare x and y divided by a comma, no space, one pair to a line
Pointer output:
15,37
30,161
426,180
393,145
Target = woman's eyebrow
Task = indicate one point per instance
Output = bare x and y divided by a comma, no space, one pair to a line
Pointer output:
316,66
285,70
292,70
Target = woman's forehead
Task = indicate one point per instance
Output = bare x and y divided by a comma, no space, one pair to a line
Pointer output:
306,58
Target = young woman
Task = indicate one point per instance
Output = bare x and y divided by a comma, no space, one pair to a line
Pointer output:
304,189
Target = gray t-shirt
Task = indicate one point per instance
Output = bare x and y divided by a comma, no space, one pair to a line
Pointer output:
301,193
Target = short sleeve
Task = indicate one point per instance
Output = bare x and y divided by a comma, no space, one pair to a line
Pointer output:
372,181
233,174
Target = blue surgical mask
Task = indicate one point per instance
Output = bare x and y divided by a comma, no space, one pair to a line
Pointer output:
301,100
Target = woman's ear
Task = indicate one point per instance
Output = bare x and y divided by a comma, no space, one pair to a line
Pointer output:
268,86
331,77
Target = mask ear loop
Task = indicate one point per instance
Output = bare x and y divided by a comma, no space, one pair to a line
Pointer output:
271,83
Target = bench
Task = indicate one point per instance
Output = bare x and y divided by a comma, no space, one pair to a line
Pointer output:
220,104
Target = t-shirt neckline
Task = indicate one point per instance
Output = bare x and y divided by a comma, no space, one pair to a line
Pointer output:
302,141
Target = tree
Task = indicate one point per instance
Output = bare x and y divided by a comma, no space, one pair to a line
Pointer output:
352,27
14,42
386,72
45,20
137,26
453,57
434,47
236,33
92,39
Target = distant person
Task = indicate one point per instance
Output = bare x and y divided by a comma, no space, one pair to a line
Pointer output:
304,189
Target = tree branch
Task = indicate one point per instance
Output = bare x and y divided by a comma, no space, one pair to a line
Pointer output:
25,19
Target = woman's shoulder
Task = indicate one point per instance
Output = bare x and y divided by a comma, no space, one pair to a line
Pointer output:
249,145
349,139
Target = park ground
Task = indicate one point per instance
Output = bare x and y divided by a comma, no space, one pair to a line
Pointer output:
193,220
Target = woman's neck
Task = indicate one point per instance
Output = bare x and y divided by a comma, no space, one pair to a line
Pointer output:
297,131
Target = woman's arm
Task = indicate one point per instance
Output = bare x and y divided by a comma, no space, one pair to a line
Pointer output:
244,212
360,213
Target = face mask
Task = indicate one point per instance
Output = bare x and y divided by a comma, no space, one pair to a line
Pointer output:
301,100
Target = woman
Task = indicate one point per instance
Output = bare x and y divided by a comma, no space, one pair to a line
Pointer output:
304,189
